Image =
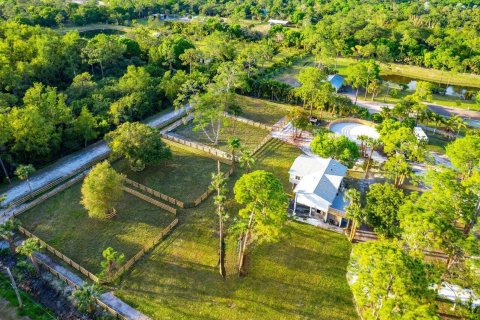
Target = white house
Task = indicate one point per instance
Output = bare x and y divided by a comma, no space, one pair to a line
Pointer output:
273,22
420,134
319,190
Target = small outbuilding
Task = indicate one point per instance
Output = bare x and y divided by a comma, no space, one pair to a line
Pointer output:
336,81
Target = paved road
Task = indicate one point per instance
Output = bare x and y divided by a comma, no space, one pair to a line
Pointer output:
76,161
375,107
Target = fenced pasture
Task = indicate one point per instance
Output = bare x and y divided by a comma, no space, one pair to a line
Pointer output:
63,223
184,177
250,136
260,110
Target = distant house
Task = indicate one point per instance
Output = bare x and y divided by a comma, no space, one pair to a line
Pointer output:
319,190
420,134
273,22
336,81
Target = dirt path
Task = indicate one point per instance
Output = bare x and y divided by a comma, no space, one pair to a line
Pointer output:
77,160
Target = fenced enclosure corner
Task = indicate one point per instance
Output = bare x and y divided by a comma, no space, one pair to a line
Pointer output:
149,246
60,255
150,200
155,193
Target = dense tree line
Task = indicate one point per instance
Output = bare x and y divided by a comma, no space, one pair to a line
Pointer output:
61,92
442,34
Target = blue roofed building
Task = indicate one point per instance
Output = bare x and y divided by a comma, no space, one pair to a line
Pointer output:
336,81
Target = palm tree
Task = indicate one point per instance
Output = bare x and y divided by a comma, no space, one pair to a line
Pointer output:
218,183
363,144
247,161
458,123
28,248
7,232
353,210
233,146
23,172
373,144
85,298
437,120
386,112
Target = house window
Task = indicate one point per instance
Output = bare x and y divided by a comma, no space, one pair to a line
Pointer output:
297,178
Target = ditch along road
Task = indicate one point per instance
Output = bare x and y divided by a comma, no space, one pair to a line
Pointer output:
77,160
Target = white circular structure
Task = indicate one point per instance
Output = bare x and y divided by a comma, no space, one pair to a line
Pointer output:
352,130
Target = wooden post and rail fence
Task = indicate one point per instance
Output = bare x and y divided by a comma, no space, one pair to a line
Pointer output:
149,246
248,121
90,275
56,182
60,255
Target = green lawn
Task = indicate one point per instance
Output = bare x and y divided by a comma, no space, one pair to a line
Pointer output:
264,111
184,177
63,223
249,136
9,304
300,277
289,75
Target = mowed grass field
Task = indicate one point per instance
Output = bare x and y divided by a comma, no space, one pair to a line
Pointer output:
263,111
300,277
250,136
63,223
185,176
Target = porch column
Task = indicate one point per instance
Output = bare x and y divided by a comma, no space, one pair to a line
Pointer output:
310,213
295,205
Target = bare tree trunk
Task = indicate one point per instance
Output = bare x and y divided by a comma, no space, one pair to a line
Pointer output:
217,134
221,243
368,161
244,245
206,134
5,171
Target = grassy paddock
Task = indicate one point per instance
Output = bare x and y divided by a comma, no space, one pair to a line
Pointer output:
184,177
264,111
250,136
63,223
300,277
